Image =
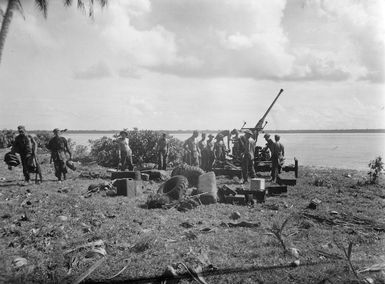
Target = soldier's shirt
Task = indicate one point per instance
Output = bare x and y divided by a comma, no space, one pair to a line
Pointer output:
57,144
162,144
124,145
249,146
23,144
191,144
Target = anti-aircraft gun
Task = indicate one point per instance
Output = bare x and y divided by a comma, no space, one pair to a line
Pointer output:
234,159
262,156
256,130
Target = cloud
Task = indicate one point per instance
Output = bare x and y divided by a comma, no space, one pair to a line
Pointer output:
314,40
143,48
311,65
130,72
346,34
225,38
97,71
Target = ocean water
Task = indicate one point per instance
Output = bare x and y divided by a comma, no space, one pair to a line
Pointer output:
332,150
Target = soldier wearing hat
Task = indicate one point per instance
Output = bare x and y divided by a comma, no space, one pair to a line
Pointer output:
269,142
26,146
274,151
248,146
208,156
124,152
191,156
58,146
162,150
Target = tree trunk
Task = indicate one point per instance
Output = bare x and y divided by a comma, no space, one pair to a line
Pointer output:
6,23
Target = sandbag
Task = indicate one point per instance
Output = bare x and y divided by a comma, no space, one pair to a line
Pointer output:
208,184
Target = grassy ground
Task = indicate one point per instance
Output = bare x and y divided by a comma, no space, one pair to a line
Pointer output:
41,223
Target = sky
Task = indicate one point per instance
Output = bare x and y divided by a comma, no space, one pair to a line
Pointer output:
202,64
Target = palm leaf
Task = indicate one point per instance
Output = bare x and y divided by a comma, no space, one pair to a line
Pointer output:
67,3
81,5
19,7
43,6
103,3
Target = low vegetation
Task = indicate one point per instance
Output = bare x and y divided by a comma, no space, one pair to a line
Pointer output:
375,168
56,233
143,146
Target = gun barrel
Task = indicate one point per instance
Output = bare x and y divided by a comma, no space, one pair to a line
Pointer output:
260,122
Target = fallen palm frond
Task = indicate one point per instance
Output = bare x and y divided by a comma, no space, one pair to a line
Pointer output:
345,220
89,271
120,272
194,273
373,268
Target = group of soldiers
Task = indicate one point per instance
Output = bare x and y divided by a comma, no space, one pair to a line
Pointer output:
26,146
207,153
203,153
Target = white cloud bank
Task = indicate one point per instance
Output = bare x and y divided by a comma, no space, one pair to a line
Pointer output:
300,40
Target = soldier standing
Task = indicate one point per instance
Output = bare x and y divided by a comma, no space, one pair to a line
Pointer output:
236,150
274,157
124,152
162,150
281,152
220,149
191,150
209,154
26,146
201,148
248,146
58,146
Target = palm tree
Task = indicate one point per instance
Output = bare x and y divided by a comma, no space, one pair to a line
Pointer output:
42,5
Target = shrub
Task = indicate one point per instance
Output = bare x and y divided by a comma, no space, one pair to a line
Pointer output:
42,138
104,151
375,168
6,138
80,153
143,146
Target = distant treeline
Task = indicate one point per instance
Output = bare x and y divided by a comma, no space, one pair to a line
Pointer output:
218,130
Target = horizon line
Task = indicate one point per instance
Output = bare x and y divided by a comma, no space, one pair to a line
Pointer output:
377,130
